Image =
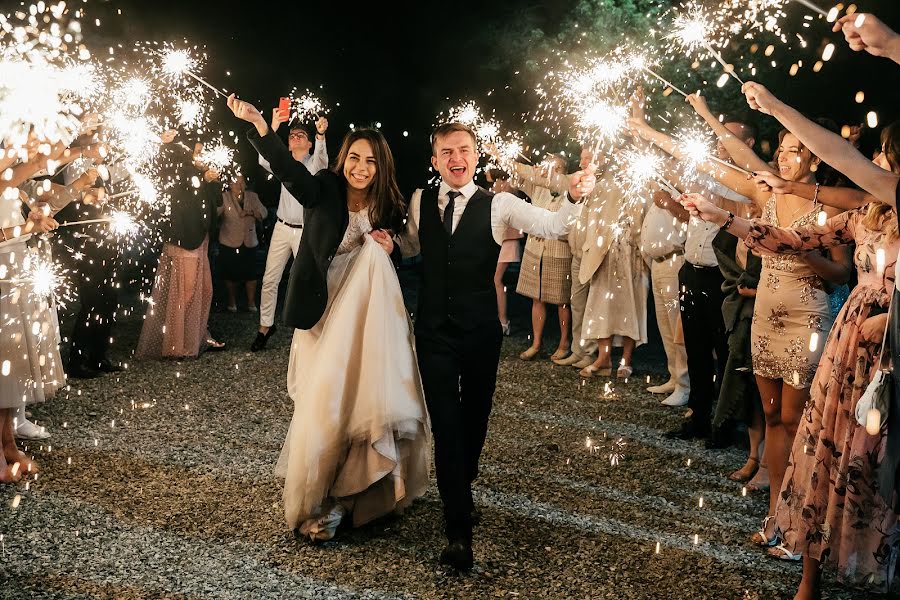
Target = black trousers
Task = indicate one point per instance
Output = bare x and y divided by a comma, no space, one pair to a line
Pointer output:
701,300
94,282
459,375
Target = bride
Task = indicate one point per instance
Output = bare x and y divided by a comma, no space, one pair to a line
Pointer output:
358,443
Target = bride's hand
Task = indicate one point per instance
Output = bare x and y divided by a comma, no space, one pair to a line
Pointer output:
384,240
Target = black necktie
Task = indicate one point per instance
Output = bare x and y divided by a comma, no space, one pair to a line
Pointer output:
448,211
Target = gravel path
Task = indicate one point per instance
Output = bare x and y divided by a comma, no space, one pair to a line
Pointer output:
158,484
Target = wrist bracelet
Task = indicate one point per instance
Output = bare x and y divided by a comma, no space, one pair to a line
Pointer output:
728,221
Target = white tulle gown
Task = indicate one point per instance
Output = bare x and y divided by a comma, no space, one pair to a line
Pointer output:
359,439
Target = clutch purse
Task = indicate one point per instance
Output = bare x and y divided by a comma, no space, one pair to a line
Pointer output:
873,406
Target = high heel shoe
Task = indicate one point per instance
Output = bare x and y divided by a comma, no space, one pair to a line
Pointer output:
624,372
505,328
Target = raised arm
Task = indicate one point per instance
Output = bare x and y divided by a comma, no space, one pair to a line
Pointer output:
555,182
866,32
837,231
837,197
828,146
514,212
727,177
293,175
742,154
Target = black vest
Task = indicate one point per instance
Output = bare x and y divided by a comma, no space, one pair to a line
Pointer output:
458,283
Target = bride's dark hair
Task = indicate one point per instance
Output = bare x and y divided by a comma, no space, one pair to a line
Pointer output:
387,207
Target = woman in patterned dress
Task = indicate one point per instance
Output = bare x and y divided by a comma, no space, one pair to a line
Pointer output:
792,315
829,508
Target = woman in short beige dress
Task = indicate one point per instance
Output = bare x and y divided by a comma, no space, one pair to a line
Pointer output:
545,275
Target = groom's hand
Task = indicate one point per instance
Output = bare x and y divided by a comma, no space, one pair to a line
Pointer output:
582,183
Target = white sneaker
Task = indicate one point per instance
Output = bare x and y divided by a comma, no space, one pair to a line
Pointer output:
663,388
26,430
677,398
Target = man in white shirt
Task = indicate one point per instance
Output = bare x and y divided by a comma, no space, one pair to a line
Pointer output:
458,229
289,224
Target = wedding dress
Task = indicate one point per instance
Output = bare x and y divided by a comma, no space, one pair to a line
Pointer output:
359,440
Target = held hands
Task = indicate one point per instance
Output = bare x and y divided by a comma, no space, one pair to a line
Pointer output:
759,98
581,183
872,329
247,112
384,240
867,32
700,207
210,175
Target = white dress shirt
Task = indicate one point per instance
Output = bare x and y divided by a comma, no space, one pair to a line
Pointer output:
289,210
698,249
661,233
507,211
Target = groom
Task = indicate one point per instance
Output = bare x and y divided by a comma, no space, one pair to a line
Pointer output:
458,228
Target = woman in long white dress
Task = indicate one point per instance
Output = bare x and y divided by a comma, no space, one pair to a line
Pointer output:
359,439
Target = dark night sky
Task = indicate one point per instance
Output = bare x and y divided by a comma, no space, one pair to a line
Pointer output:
396,62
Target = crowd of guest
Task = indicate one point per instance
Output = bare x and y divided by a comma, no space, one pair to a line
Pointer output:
748,268
742,272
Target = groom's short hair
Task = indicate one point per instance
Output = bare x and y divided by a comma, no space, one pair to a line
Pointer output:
448,128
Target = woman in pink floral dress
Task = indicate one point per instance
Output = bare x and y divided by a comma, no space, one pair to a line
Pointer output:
829,509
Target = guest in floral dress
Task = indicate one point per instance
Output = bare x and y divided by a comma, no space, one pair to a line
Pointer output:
829,508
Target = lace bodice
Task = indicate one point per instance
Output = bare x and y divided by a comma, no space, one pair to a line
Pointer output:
788,263
359,226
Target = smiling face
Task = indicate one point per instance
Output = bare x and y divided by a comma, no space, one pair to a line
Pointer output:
795,161
455,158
359,168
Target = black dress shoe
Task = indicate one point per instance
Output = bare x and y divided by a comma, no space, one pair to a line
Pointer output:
105,366
82,371
261,338
458,554
689,431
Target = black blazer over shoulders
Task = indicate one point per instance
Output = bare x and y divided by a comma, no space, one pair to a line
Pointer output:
325,220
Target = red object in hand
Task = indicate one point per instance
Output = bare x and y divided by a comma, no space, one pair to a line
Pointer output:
284,107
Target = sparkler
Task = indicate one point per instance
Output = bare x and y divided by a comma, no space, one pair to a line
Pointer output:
178,62
306,107
693,30
217,157
44,278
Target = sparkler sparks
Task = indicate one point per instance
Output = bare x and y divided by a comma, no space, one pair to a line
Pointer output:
42,278
306,107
